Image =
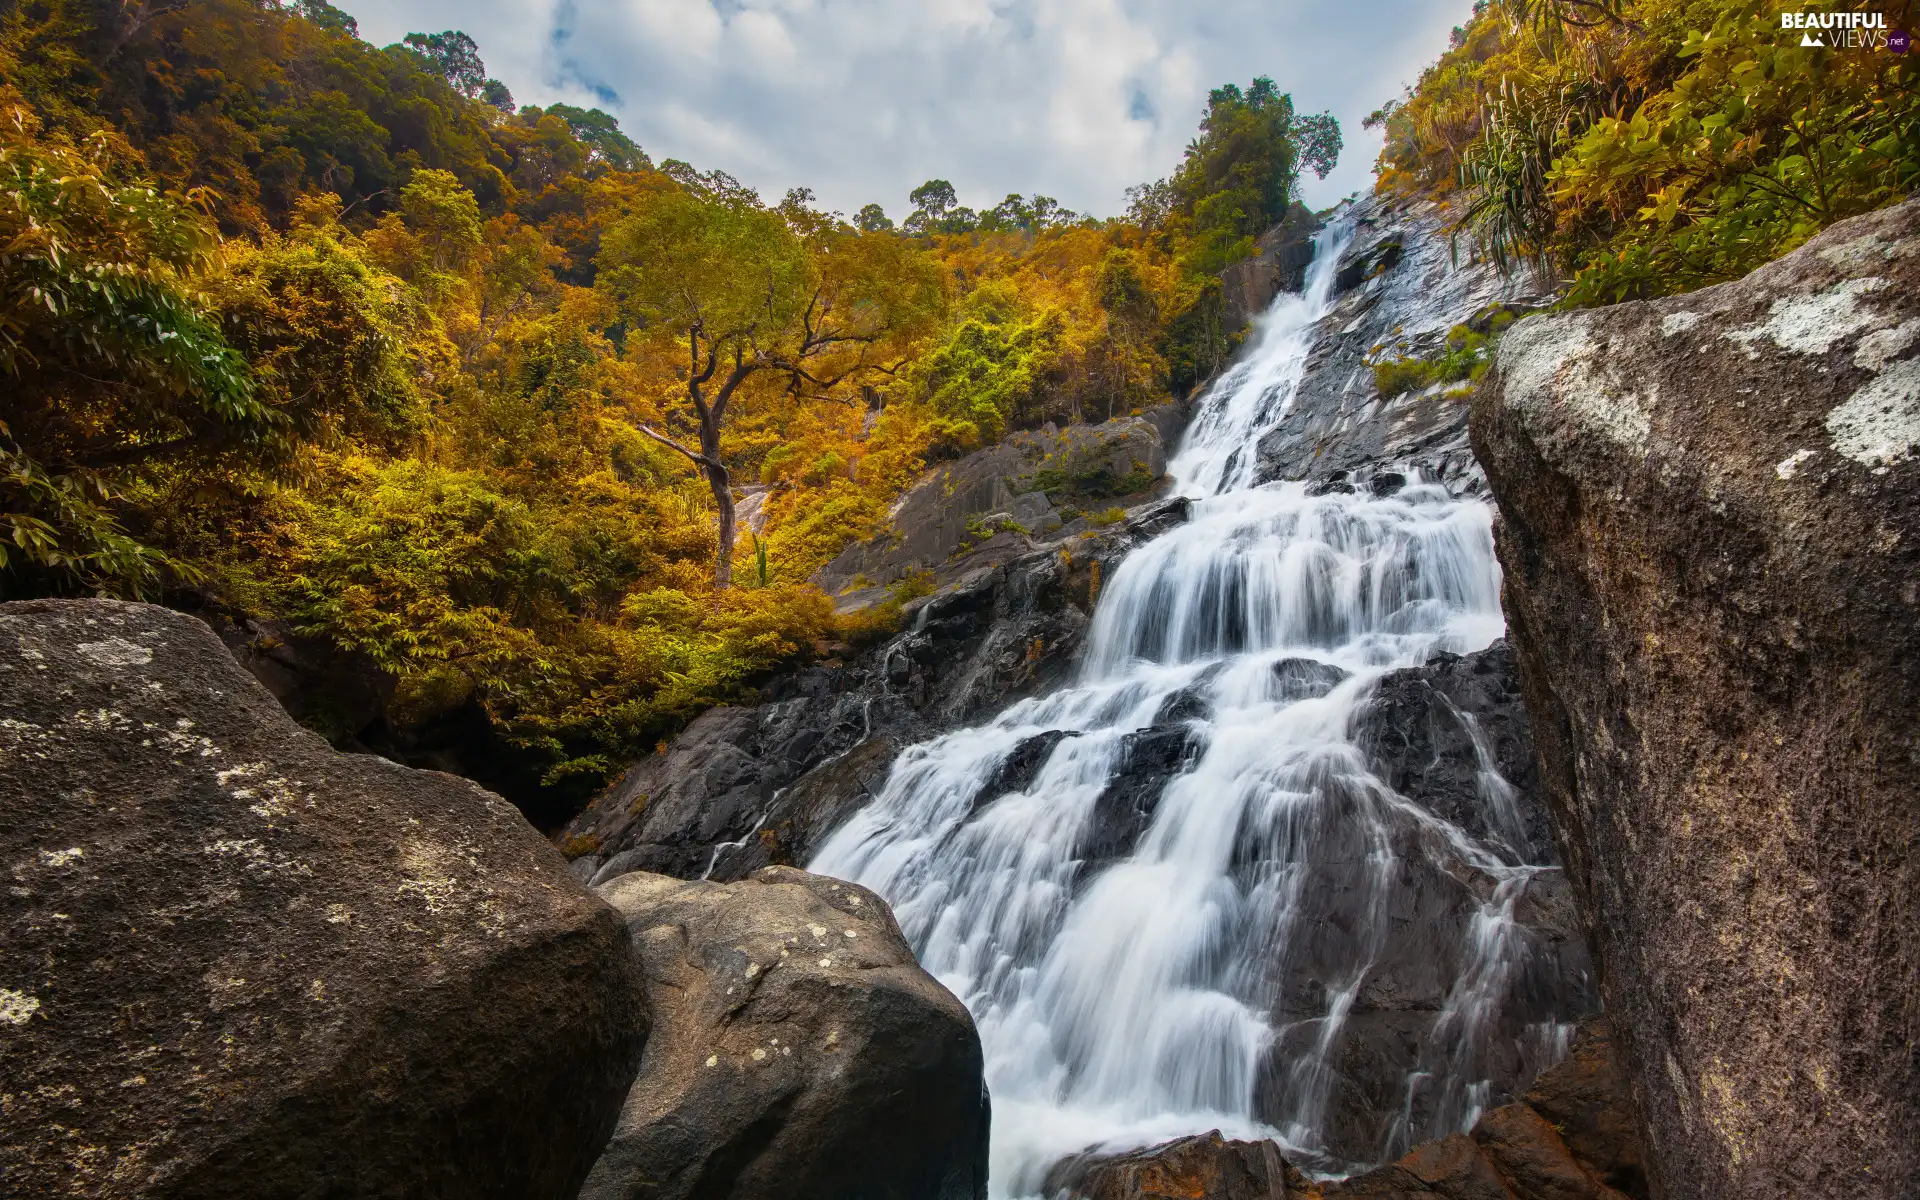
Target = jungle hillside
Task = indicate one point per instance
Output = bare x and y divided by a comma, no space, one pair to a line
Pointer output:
544,439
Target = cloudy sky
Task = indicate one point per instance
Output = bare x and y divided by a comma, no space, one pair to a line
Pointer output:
862,100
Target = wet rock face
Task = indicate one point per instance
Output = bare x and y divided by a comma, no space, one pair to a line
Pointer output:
1450,739
240,964
1435,733
746,787
798,1051
1711,533
1279,263
1398,286
1572,1137
1124,810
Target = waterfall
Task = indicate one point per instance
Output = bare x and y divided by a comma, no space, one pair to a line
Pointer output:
1195,961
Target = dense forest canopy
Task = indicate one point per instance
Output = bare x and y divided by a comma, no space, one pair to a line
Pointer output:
336,336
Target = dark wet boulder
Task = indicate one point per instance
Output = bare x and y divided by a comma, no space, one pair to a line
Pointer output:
798,1051
1451,735
1018,771
1710,538
240,964
1572,1137
1148,761
1305,678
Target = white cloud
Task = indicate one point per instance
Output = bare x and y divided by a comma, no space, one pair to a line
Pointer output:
862,100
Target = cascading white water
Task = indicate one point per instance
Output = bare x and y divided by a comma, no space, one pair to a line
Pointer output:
1160,992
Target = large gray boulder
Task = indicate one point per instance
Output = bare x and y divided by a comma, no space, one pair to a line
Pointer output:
1711,544
239,964
799,1051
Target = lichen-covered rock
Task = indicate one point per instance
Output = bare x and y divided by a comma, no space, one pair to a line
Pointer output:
239,964
1711,541
798,1051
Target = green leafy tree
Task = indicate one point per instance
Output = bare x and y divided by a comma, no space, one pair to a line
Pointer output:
609,148
497,94
937,209
735,291
988,371
935,197
873,219
455,57
1239,176
114,363
327,17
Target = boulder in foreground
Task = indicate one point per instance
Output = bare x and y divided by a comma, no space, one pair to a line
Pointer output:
798,1051
1711,549
239,964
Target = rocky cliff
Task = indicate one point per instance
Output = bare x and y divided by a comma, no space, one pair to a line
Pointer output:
1035,487
1711,543
745,787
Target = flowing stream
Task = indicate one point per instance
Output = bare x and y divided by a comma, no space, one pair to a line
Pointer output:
1184,982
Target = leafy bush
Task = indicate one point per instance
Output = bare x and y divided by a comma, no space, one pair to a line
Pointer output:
1653,146
1464,357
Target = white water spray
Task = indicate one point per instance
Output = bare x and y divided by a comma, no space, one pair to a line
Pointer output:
1202,976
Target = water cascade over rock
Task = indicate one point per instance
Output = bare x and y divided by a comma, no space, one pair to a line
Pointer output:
1181,894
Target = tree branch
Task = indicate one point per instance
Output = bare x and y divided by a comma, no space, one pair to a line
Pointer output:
699,460
742,367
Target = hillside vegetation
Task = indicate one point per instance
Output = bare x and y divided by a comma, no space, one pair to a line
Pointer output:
1636,148
310,330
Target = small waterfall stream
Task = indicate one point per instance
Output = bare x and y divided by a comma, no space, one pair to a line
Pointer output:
1204,974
